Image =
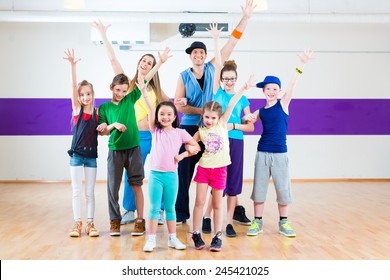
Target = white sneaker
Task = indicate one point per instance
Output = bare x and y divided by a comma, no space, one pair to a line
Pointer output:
173,242
161,219
150,244
128,217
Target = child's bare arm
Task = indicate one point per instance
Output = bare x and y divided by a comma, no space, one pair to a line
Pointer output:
304,58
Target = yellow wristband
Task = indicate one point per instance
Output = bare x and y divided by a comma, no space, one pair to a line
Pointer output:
298,70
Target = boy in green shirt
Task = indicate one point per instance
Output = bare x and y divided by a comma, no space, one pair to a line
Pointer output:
117,119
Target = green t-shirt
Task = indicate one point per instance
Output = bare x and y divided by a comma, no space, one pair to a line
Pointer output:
122,113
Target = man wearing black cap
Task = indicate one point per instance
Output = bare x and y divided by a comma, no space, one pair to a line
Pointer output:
195,85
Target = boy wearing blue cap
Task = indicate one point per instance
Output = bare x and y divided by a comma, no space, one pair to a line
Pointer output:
271,157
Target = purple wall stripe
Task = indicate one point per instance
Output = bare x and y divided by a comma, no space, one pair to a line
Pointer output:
44,116
335,116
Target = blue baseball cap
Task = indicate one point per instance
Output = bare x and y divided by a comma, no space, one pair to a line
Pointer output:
269,80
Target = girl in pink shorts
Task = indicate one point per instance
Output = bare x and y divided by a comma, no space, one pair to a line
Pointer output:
213,132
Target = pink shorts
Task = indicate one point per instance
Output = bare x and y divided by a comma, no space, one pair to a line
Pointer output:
214,177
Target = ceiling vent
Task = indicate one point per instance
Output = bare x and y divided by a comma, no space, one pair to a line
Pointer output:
124,35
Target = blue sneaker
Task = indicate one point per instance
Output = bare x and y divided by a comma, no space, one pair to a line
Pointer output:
256,228
286,229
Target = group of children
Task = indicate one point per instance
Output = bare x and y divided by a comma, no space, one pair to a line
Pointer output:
220,130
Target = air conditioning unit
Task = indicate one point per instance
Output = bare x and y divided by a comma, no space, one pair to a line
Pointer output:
124,35
186,30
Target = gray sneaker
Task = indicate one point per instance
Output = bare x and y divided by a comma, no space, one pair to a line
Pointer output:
161,218
256,228
128,217
286,229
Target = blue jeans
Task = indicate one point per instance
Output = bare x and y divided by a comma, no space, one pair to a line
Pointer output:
128,193
77,160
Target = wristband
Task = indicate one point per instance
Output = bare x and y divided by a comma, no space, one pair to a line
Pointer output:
234,126
236,34
298,70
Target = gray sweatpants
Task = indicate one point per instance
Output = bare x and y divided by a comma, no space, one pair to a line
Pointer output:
277,166
131,160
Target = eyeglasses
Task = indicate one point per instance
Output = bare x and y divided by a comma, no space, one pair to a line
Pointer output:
229,79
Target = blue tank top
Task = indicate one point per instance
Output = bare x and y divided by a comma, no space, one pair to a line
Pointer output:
275,126
196,97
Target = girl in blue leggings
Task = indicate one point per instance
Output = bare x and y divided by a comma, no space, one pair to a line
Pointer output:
167,139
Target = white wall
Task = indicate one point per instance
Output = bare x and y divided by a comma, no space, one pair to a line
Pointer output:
351,61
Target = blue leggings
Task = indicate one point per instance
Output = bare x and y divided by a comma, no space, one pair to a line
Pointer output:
163,185
128,193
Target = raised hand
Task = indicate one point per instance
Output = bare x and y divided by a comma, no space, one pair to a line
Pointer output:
214,31
70,56
248,9
306,56
250,83
165,55
100,26
141,84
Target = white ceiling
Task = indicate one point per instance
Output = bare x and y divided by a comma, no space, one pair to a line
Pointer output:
375,11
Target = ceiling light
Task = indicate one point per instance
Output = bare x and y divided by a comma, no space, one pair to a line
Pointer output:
74,4
261,5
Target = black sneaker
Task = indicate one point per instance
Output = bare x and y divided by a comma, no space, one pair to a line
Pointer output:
180,221
216,243
240,217
206,225
198,241
230,232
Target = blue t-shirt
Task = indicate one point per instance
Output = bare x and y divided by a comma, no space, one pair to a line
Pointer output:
223,98
275,126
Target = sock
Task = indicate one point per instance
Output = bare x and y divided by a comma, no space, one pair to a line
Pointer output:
172,235
259,218
283,218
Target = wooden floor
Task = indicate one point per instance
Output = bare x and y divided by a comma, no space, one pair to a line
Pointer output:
333,221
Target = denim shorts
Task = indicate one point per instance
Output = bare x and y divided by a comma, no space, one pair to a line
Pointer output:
77,160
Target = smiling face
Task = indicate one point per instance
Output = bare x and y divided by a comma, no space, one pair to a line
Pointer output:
229,78
198,56
145,64
210,118
271,92
166,116
86,95
119,92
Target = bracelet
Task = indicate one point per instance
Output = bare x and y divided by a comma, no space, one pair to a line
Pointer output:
236,34
234,126
298,70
